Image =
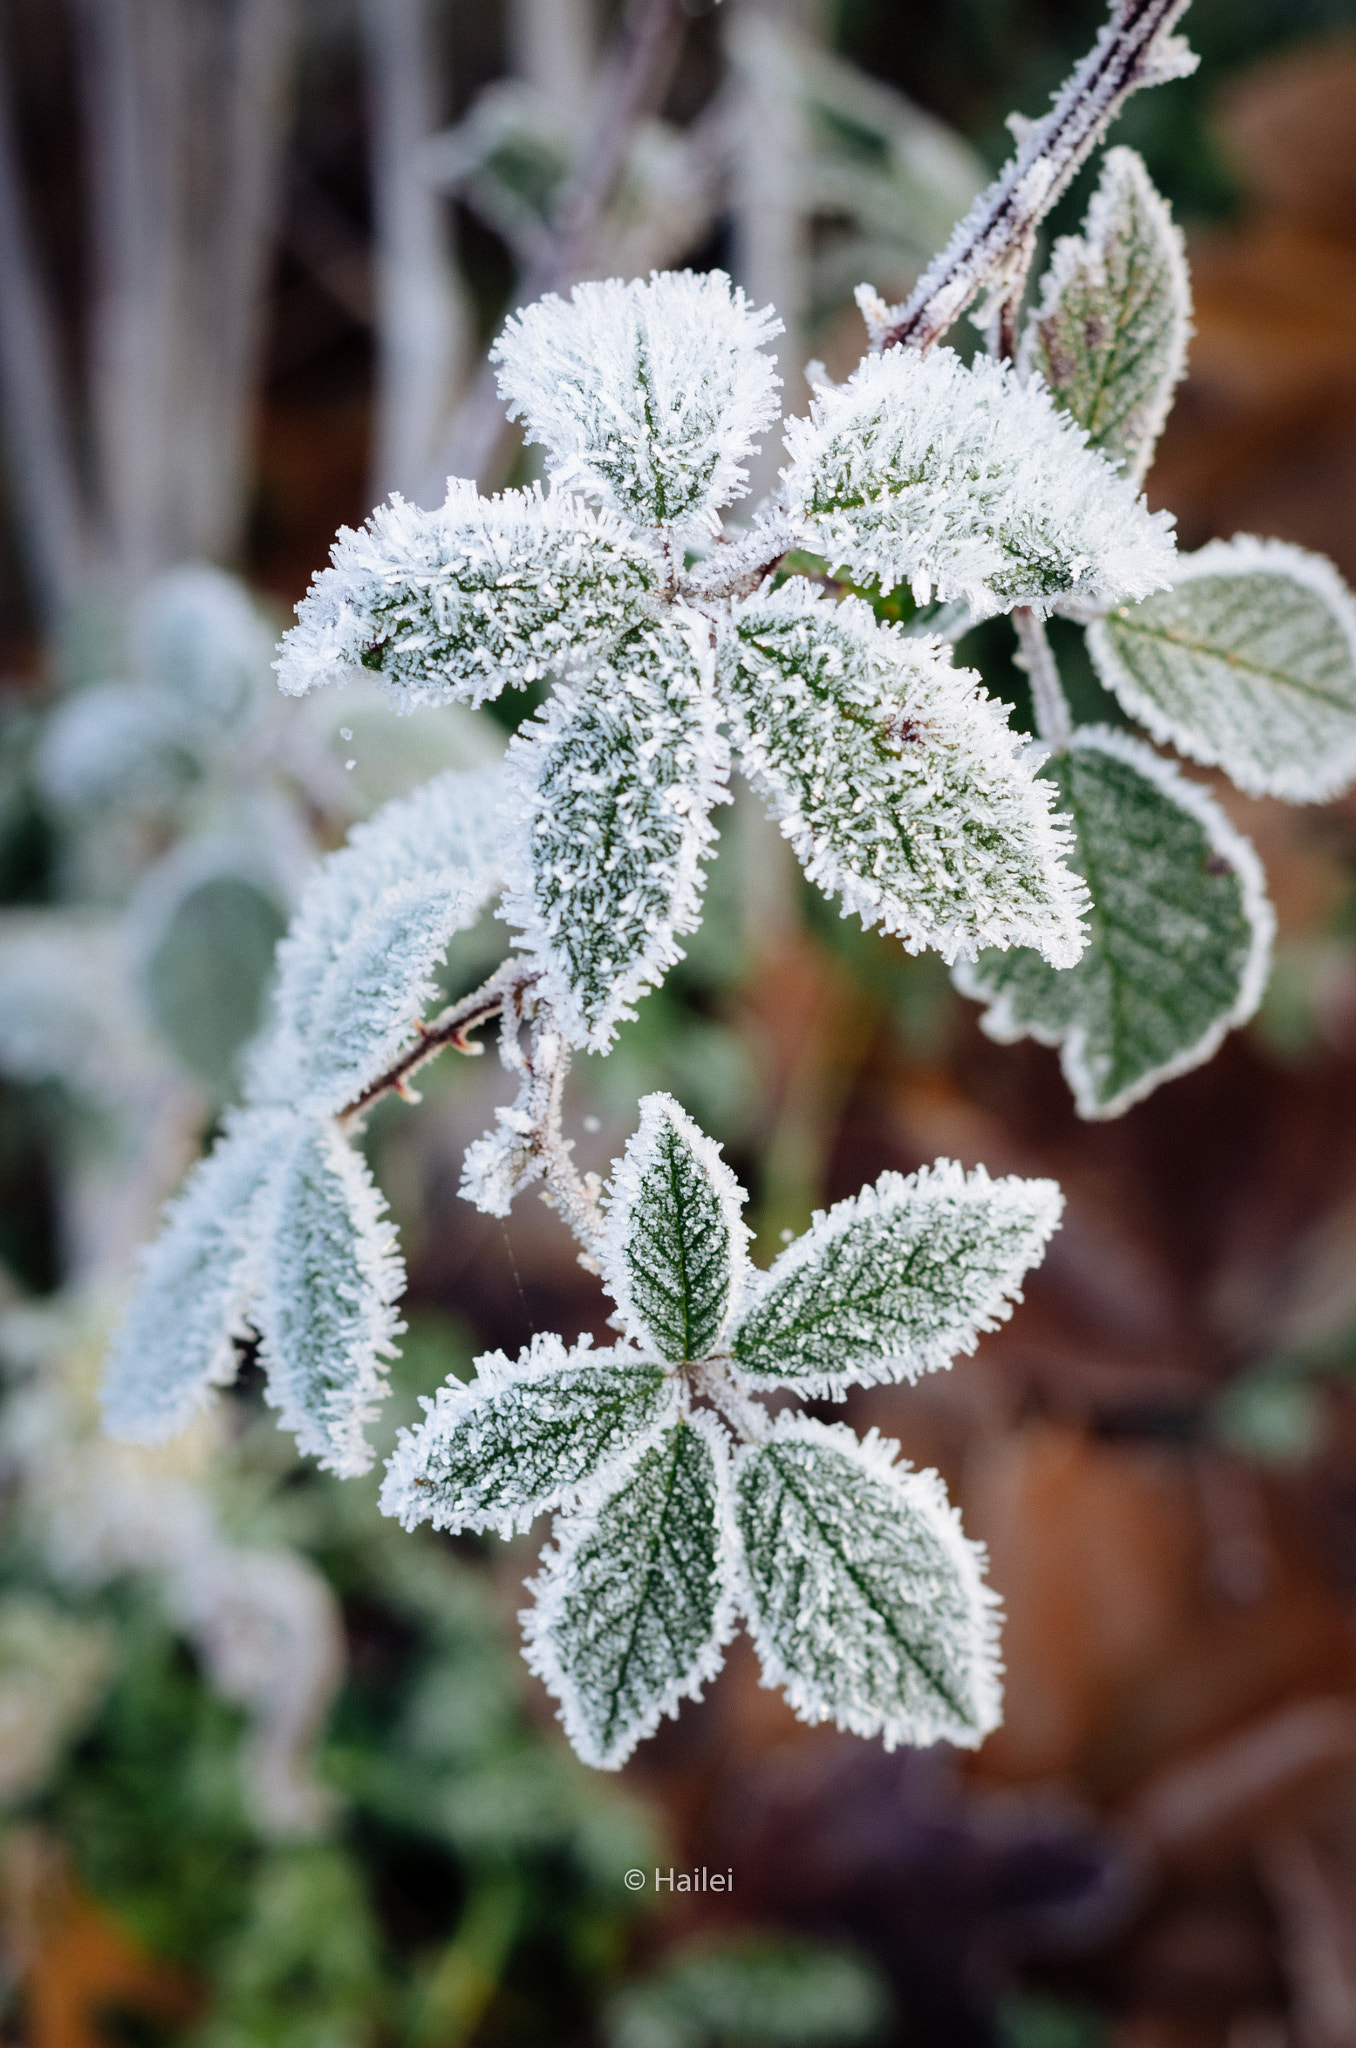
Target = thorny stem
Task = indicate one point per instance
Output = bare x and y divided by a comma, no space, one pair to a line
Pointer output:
546,1149
630,85
987,249
1048,700
448,1028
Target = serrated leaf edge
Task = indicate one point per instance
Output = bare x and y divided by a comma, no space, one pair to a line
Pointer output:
1229,843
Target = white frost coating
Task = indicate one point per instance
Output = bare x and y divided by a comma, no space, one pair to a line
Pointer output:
330,1274
968,484
999,1022
355,970
612,785
646,396
895,1281
586,1575
528,1434
196,1286
900,784
1125,277
1267,692
455,605
828,1603
630,1195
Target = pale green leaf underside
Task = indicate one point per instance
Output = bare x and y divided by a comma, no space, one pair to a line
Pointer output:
1248,663
1179,933
521,1439
896,1281
629,1613
1109,334
865,1601
675,1238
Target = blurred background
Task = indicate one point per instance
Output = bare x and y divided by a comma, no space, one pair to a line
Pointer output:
271,1772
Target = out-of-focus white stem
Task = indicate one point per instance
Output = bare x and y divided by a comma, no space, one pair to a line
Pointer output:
552,47
423,319
1048,701
45,488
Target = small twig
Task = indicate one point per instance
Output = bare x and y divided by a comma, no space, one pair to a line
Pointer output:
450,1027
1132,50
1048,700
735,568
631,84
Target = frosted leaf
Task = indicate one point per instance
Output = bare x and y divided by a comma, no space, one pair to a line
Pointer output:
615,780
895,1281
968,484
196,1287
674,1256
525,1435
329,1276
632,1609
356,969
452,606
198,633
1248,663
1179,932
123,745
898,782
646,396
1109,334
866,1604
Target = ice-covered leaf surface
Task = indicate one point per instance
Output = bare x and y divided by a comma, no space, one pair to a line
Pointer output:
1109,333
330,1273
1248,663
524,1435
1179,931
356,969
454,605
632,1609
648,397
675,1252
967,484
614,781
865,1601
196,1286
895,1281
898,782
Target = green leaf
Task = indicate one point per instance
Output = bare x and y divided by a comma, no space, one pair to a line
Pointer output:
524,1436
1248,663
898,782
674,1253
1180,931
1109,333
613,784
865,1601
895,1281
632,1607
330,1272
205,978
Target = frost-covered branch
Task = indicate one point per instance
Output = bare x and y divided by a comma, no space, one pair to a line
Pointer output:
451,1027
993,243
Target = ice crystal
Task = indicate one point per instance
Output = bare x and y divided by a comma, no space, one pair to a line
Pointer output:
967,484
647,397
453,606
898,782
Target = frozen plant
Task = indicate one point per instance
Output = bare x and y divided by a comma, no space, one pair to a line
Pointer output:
1085,888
